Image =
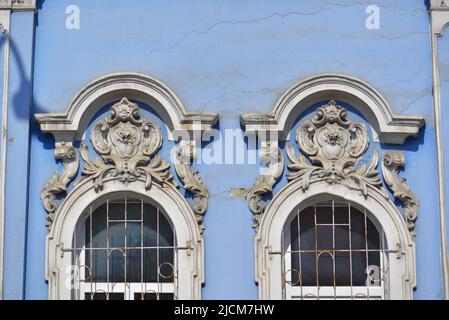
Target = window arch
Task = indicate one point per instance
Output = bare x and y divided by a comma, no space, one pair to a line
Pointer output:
334,250
127,165
395,240
124,249
331,164
63,261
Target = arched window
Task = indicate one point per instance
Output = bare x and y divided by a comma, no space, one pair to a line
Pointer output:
124,249
332,232
333,250
114,250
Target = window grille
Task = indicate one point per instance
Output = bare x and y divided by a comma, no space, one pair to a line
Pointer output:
333,250
124,249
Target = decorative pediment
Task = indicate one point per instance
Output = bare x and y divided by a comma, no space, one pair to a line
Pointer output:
127,145
332,150
334,146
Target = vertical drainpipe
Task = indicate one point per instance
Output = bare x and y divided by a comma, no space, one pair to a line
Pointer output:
4,32
439,19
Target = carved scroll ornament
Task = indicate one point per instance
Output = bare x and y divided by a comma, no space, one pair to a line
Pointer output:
334,146
391,162
186,153
58,183
272,157
127,145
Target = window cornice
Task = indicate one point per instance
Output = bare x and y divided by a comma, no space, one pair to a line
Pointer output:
390,127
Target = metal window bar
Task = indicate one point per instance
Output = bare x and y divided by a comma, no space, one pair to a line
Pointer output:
85,284
373,288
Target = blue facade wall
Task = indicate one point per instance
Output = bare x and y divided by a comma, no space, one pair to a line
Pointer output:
17,175
227,57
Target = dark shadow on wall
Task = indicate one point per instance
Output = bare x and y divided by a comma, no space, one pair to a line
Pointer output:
22,101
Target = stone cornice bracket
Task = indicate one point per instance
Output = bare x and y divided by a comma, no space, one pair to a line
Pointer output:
17,4
439,14
272,157
391,162
66,153
186,153
334,146
389,127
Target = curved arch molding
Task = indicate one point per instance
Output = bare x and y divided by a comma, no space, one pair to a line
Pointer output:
391,128
268,243
189,238
131,159
72,124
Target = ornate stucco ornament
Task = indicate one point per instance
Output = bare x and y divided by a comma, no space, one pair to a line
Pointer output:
127,145
391,162
18,4
58,183
334,146
270,156
185,154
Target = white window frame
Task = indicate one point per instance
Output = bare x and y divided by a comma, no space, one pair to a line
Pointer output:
274,127
59,268
328,292
70,126
268,240
128,288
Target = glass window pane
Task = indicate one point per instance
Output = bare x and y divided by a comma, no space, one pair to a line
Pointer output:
307,229
150,225
117,262
325,237
342,238
165,232
341,242
324,212
341,212
133,234
358,268
342,269
308,267
166,265
99,265
134,265
117,210
136,244
99,227
116,234
150,264
134,209
325,269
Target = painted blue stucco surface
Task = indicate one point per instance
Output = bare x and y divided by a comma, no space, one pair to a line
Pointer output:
228,57
17,157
